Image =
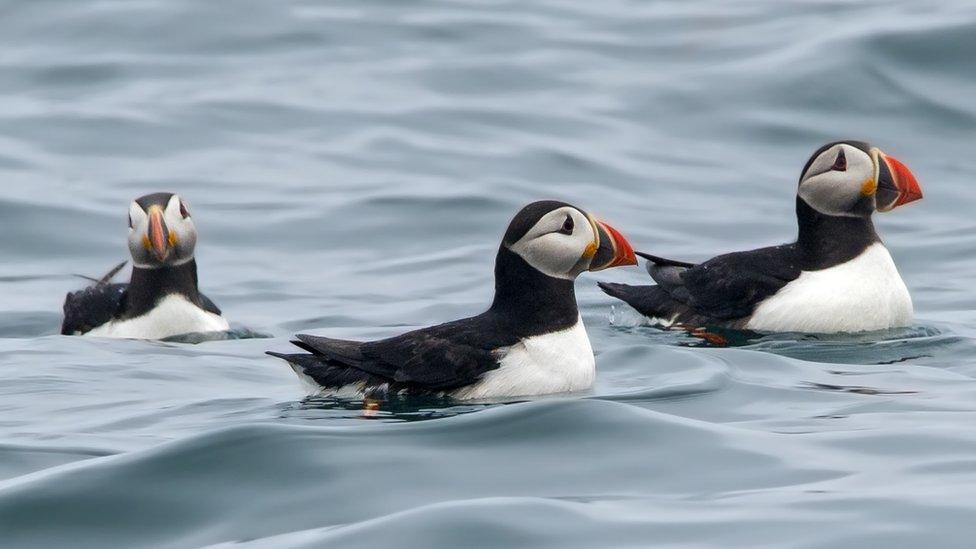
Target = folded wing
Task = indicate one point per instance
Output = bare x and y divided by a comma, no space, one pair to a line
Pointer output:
441,358
725,288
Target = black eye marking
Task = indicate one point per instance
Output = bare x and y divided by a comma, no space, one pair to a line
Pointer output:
130,221
183,211
568,225
840,164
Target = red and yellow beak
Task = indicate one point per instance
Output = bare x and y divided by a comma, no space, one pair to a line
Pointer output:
610,249
896,184
158,238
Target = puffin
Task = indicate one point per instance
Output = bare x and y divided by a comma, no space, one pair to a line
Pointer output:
836,277
162,298
530,341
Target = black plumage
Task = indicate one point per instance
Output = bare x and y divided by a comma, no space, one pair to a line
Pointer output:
722,291
725,291
546,246
105,301
448,356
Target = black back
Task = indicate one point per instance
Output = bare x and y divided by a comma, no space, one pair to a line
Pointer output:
727,289
91,307
452,355
730,286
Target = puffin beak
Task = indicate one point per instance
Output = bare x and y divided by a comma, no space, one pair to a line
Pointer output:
158,239
897,185
611,248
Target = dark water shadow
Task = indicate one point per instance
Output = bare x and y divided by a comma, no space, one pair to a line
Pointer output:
856,389
878,347
394,409
229,335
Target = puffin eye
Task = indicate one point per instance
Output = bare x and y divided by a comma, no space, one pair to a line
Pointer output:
840,163
183,211
130,221
568,225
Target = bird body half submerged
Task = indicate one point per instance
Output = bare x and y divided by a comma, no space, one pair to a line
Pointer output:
863,294
837,277
173,315
162,298
556,362
530,341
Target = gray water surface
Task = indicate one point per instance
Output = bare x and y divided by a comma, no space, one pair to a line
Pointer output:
351,166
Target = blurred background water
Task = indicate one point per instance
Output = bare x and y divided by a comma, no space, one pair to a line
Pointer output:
352,165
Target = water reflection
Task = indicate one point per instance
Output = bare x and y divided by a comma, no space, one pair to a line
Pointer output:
395,409
880,347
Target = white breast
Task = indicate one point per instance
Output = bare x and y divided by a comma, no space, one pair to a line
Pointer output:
173,315
557,362
864,294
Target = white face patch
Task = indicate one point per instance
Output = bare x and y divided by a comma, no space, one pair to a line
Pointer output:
138,220
182,227
182,230
833,191
556,243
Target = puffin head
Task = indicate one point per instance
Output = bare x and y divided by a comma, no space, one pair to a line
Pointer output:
161,231
854,179
563,241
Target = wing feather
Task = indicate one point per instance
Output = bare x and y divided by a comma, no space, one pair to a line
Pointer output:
440,358
95,305
725,288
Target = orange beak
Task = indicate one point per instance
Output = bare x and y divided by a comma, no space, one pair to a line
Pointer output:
613,251
158,241
897,185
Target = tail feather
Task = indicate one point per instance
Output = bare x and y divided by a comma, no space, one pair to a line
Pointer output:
111,274
318,372
650,301
340,350
304,360
108,276
665,262
666,272
304,346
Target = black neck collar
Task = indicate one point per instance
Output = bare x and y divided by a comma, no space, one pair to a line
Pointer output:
826,240
529,302
148,286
